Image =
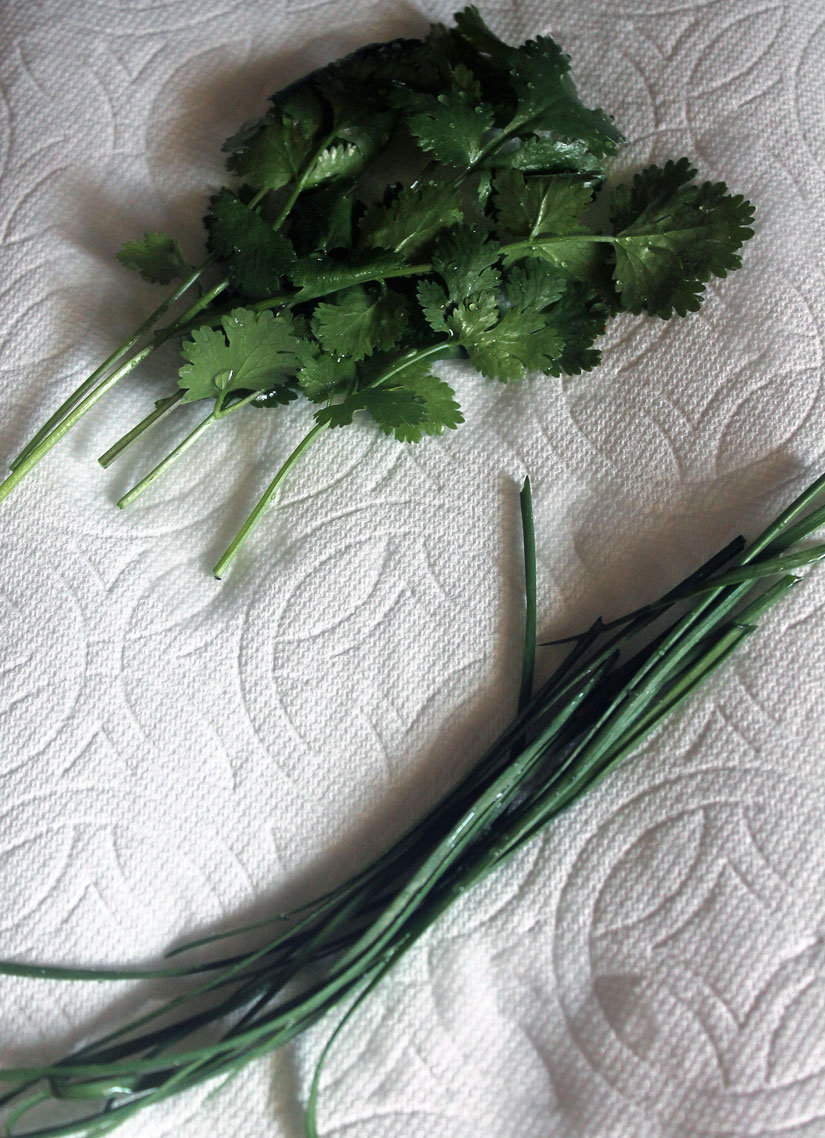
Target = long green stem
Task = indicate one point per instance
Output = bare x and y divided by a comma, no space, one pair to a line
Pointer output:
243,533
214,416
370,276
493,821
182,447
415,355
45,445
61,422
160,410
109,362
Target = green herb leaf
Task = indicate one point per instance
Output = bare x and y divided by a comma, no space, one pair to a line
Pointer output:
581,317
323,219
323,376
279,395
433,300
539,154
451,125
521,341
341,160
156,256
465,260
256,256
393,408
539,205
410,220
442,412
252,351
360,321
273,151
534,284
672,236
579,258
410,406
547,99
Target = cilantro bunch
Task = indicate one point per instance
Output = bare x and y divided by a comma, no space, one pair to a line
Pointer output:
498,241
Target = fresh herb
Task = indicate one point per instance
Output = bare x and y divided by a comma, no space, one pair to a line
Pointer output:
492,251
329,955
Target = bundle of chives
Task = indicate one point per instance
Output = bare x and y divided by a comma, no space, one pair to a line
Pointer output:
577,727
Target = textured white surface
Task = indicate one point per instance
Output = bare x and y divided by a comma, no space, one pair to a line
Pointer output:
177,754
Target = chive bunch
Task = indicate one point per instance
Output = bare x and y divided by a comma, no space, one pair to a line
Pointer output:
568,735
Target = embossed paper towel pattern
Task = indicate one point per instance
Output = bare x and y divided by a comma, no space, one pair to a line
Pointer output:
177,755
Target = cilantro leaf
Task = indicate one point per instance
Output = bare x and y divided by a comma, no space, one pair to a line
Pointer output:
156,256
581,316
273,151
433,300
473,29
655,185
442,412
451,125
539,205
323,219
547,99
319,274
544,95
410,220
361,125
540,154
415,403
251,351
534,284
359,322
673,235
279,395
586,257
393,408
323,376
522,340
257,257
465,260
366,76
471,320
341,160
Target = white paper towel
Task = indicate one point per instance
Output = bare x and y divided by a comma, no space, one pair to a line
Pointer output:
177,754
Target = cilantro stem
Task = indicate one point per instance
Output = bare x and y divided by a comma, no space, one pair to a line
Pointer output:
160,410
245,530
414,356
109,362
165,463
86,404
217,413
367,276
305,293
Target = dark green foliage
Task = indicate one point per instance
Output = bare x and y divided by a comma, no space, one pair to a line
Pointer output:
360,321
156,256
256,256
411,218
503,245
672,235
